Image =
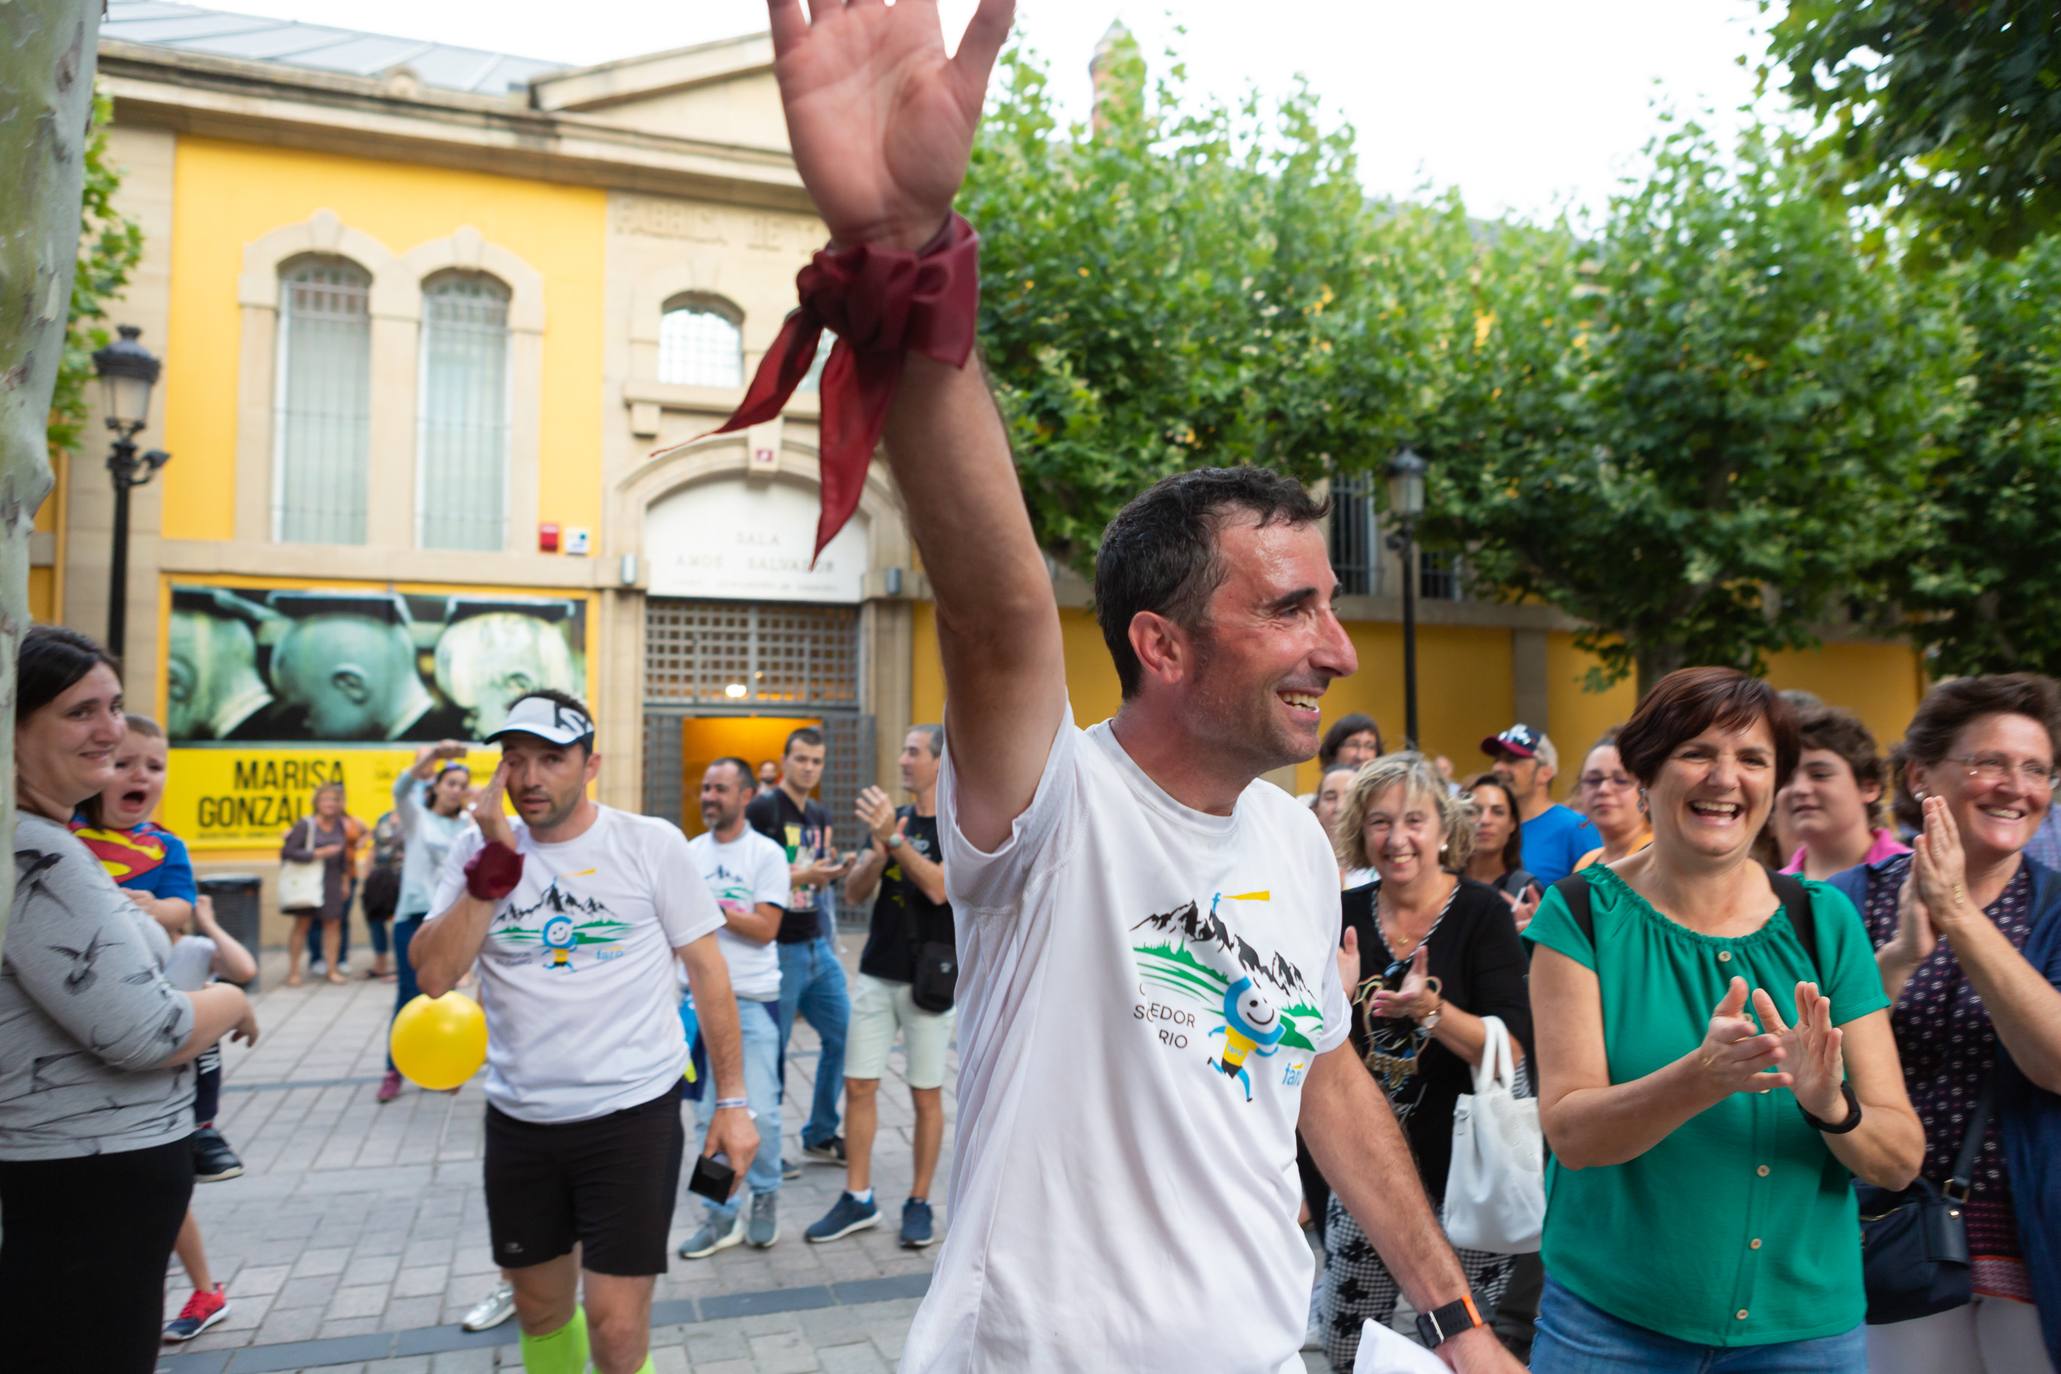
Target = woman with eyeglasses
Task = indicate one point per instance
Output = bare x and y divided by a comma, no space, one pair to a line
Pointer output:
1611,801
1968,937
1715,1067
1437,952
1831,803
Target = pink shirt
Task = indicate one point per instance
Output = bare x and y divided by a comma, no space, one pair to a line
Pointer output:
1886,845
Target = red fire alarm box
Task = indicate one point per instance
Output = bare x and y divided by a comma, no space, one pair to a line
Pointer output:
547,538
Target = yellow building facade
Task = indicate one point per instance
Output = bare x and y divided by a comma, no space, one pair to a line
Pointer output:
439,335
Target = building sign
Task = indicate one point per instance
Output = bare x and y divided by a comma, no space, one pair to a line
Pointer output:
751,541
218,798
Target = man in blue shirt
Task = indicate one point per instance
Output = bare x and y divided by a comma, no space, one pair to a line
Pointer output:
1555,836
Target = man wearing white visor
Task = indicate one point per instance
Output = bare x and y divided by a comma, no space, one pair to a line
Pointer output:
574,913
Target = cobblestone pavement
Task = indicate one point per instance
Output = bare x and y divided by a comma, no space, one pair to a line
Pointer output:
357,1237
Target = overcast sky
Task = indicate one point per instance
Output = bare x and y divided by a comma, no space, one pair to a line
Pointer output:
1522,104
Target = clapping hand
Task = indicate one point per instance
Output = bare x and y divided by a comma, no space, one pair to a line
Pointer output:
1736,1056
1915,937
1522,909
1940,870
880,120
1811,1048
1416,999
876,811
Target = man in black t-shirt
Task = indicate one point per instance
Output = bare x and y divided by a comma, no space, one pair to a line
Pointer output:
903,863
811,980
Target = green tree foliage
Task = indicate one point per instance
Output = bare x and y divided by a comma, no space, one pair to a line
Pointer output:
1187,284
110,246
1950,113
1982,575
1692,431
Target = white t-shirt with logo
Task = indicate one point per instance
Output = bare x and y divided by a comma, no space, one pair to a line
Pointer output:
576,974
748,870
1142,989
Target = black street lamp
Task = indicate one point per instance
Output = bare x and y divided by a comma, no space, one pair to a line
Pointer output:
1405,474
127,372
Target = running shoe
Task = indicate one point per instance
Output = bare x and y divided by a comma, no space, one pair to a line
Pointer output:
715,1234
389,1087
213,1160
845,1216
764,1227
918,1227
830,1151
496,1307
201,1311
790,1169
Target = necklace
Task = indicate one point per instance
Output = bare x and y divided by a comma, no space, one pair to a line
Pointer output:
1397,955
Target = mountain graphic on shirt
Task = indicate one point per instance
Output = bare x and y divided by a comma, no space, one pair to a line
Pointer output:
601,928
1196,927
559,903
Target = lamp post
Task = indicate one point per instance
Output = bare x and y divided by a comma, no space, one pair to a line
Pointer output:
127,372
1405,475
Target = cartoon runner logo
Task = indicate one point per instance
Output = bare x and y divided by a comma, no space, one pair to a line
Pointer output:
1249,1001
560,938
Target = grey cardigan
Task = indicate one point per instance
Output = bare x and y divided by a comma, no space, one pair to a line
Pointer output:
86,1016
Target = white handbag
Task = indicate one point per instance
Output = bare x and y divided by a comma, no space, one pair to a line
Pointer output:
300,883
1496,1189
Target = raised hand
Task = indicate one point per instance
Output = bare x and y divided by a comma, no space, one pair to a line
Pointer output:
489,815
1735,1055
876,812
1811,1048
880,119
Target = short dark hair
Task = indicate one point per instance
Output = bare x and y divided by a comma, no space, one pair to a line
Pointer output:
1343,729
745,776
1160,553
1513,848
1841,732
1689,701
936,734
1949,708
808,734
570,703
50,662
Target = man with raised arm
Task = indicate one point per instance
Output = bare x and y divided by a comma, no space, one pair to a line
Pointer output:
1149,996
574,914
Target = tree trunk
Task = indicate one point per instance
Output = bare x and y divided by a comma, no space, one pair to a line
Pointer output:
1656,661
46,70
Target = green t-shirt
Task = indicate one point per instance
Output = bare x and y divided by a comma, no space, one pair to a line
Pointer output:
1740,1228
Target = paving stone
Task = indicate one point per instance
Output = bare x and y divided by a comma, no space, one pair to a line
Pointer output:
424,1280
859,1358
364,1300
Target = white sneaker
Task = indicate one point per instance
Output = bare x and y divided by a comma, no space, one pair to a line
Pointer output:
490,1311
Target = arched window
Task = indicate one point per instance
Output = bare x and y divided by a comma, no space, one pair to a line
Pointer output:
461,476
813,379
322,410
700,345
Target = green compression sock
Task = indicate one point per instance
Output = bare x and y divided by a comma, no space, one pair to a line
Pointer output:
563,1351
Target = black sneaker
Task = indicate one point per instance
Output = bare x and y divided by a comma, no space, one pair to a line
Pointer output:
213,1160
830,1151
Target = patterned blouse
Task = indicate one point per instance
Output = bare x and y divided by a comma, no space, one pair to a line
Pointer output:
1949,1047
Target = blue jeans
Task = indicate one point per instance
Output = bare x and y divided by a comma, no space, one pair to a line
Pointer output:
1575,1337
405,987
758,1025
812,986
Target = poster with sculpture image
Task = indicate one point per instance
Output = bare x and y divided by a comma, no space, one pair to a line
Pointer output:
347,665
271,691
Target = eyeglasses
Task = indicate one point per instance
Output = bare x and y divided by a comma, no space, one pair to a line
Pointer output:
1595,780
1992,769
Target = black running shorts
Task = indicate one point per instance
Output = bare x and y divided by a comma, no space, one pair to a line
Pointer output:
608,1185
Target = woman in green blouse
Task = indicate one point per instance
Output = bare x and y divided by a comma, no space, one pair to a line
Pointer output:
1710,1080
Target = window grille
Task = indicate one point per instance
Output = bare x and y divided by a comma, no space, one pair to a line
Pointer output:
462,425
1441,576
749,654
323,402
1355,534
700,346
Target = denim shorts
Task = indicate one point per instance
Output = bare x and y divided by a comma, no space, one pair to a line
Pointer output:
1575,1337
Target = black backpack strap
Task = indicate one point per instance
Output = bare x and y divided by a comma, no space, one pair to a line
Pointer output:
1574,890
1796,904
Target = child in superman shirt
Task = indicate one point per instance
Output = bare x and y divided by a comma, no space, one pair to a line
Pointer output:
150,864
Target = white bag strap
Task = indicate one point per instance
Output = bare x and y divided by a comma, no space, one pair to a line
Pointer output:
1496,1067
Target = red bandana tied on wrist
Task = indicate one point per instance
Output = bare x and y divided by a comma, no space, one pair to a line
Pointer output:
881,303
493,873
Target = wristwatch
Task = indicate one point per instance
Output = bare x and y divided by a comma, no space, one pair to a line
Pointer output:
1437,1327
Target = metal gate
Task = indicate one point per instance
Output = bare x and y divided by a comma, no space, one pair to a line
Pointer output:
739,658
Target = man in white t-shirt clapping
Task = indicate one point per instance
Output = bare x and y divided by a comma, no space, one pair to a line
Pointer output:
1150,996
748,875
575,914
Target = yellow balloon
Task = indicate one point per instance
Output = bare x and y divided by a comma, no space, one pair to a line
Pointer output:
439,1042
